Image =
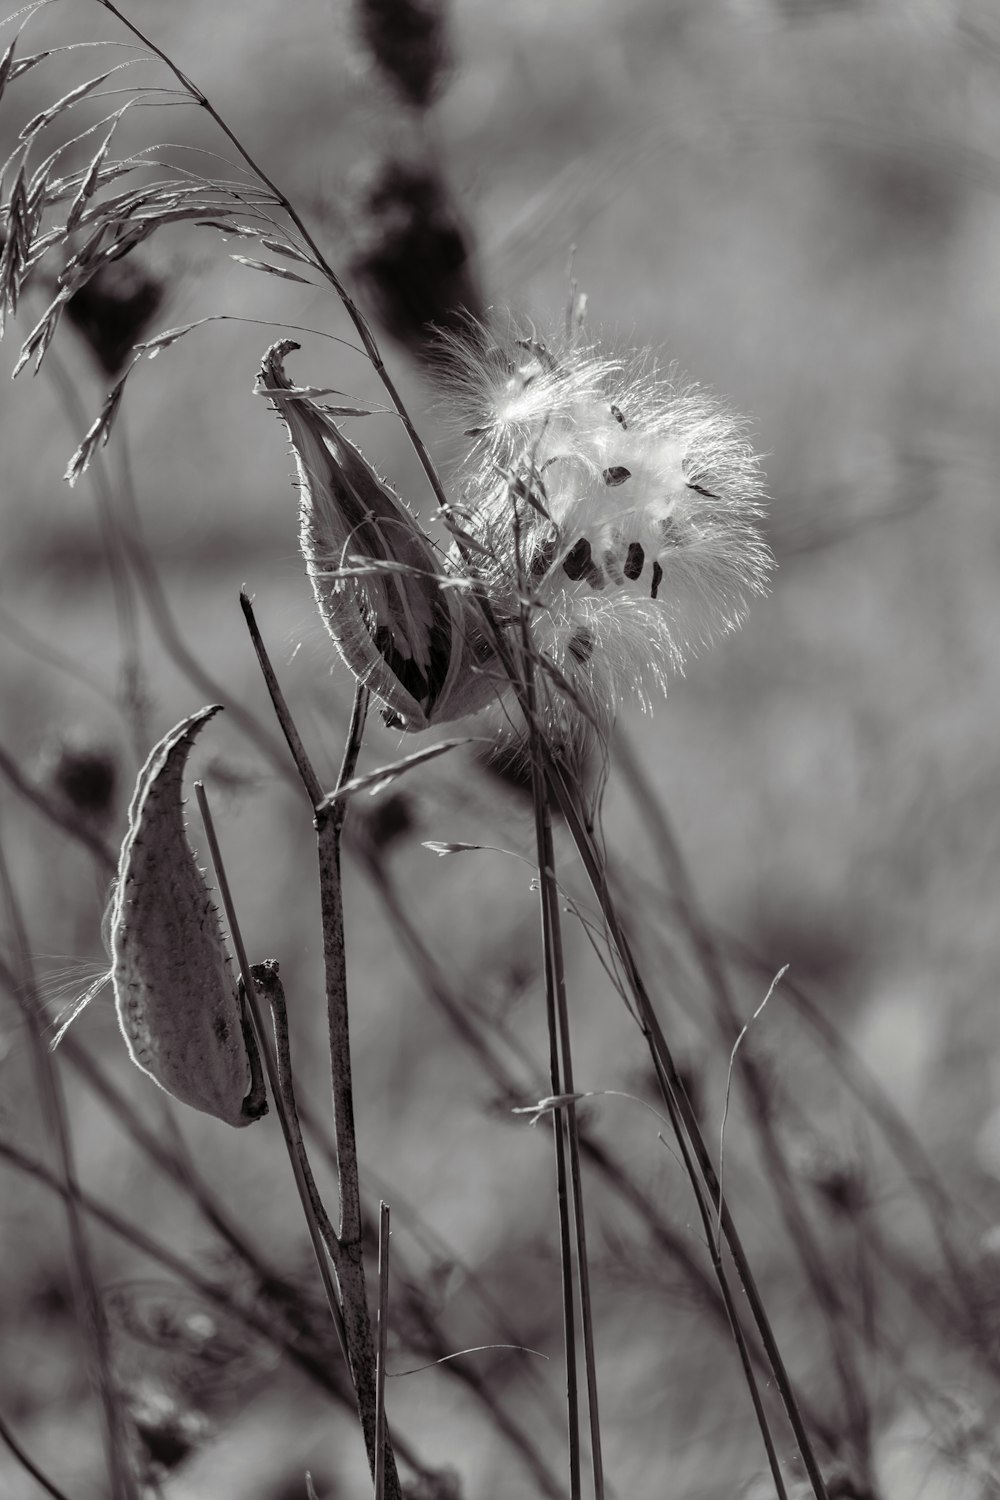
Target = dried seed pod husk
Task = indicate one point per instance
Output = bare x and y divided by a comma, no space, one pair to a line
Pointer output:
378,581
177,1001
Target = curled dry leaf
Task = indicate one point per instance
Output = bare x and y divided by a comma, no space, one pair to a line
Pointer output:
177,1000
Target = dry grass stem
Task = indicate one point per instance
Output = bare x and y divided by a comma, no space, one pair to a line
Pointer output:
93,1317
274,1080
382,1332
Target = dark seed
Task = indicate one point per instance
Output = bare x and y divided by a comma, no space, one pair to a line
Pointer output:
657,579
634,561
543,558
404,667
581,646
616,475
578,561
701,491
616,413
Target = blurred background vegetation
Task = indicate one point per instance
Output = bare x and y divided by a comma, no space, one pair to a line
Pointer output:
798,203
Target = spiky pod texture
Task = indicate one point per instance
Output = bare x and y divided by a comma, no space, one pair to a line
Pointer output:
376,577
177,1001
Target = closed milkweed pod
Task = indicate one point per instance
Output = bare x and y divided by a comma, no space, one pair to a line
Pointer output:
177,1000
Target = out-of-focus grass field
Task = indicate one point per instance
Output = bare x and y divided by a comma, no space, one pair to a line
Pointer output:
799,204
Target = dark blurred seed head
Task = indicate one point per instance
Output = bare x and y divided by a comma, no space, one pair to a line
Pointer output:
413,260
168,1431
408,42
382,823
52,1295
837,1178
113,311
83,773
509,762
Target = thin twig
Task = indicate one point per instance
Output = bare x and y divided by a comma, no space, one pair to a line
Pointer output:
382,1331
672,1089
22,984
60,817
350,307
824,1288
729,1085
303,764
329,822
552,958
271,1068
184,1175
509,1086
311,1363
27,1463
115,556
554,927
128,531
16,631
165,625
269,986
736,1326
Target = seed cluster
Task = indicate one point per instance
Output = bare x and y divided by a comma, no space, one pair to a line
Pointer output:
622,505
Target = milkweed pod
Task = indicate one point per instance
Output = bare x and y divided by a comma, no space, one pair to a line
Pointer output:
177,1001
401,626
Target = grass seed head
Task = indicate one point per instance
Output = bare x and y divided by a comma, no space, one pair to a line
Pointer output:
177,1001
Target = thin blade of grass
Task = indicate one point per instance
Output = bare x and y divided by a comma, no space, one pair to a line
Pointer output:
263,265
53,111
374,781
382,1333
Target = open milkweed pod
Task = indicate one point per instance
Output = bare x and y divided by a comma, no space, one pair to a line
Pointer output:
409,632
620,506
177,1000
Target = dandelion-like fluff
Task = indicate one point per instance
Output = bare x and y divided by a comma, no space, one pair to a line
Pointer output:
620,505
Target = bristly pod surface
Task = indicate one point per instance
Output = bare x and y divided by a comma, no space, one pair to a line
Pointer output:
406,629
177,1001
